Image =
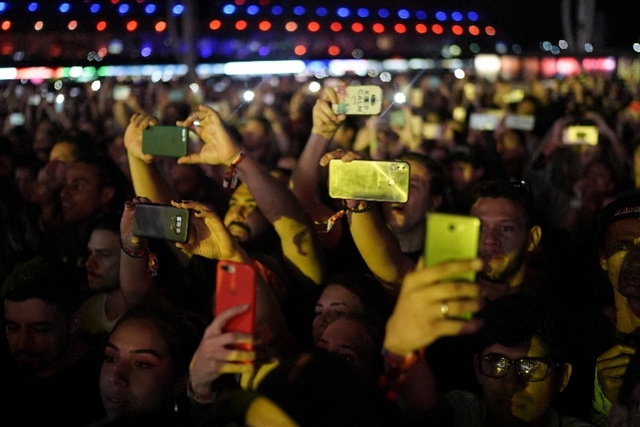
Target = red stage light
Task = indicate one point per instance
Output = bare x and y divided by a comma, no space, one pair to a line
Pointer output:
421,28
437,28
400,28
300,50
132,26
378,28
264,25
336,26
160,26
357,27
101,26
457,30
490,30
313,26
215,24
474,31
333,50
241,25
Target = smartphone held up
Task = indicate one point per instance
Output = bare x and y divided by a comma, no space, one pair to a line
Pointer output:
372,180
169,141
451,237
236,285
358,100
164,222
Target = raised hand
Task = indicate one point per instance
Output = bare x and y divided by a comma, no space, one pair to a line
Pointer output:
214,356
133,135
612,364
219,148
429,308
209,237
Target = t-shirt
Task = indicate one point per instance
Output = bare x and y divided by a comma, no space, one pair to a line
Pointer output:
469,410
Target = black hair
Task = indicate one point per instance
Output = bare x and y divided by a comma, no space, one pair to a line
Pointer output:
513,319
436,174
44,278
181,330
110,175
516,191
370,293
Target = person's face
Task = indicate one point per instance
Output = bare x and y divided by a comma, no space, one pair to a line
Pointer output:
137,374
461,174
407,216
81,197
243,218
103,262
27,182
184,180
621,259
504,237
333,301
512,400
349,339
38,334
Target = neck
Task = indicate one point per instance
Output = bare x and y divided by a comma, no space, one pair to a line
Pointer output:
627,321
411,240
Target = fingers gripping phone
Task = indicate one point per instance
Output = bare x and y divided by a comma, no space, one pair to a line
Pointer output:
170,141
451,238
154,221
236,285
373,180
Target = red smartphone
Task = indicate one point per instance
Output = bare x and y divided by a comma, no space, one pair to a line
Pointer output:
236,285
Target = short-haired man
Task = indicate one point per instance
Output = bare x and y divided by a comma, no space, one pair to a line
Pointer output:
49,374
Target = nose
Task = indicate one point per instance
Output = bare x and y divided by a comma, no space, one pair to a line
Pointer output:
513,382
23,340
91,262
118,373
490,236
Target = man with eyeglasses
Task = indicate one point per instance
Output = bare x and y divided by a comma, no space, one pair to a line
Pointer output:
520,362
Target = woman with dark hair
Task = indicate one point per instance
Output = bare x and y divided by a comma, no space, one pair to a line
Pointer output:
145,370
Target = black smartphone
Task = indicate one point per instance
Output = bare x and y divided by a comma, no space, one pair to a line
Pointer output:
169,141
165,222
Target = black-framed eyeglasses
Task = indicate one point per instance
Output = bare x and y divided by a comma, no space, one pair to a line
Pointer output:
534,369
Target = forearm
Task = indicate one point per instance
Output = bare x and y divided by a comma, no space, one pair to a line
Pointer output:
379,247
304,179
286,214
149,182
136,280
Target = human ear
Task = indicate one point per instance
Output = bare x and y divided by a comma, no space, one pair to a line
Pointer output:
564,376
476,369
535,234
603,261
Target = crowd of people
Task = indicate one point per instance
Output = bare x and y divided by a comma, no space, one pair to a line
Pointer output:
108,328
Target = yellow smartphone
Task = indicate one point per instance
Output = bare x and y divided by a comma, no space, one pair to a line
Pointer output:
580,135
373,180
451,237
358,100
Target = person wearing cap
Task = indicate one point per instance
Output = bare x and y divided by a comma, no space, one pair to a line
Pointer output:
619,256
49,374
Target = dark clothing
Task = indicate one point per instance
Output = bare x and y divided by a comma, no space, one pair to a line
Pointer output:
69,398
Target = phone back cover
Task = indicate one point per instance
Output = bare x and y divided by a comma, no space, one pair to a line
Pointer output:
235,285
451,238
170,141
383,181
161,222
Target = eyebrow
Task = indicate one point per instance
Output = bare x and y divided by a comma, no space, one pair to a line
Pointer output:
138,351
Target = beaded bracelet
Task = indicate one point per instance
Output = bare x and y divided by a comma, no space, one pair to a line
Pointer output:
133,253
362,207
328,224
230,179
152,263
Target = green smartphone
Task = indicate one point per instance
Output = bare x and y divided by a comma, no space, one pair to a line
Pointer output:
451,237
373,180
169,141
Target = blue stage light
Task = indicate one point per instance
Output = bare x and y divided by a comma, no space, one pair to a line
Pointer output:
383,13
150,9
473,16
123,9
277,10
33,6
343,12
404,14
363,13
177,10
441,16
457,16
421,14
228,9
322,11
64,7
94,8
253,10
299,10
